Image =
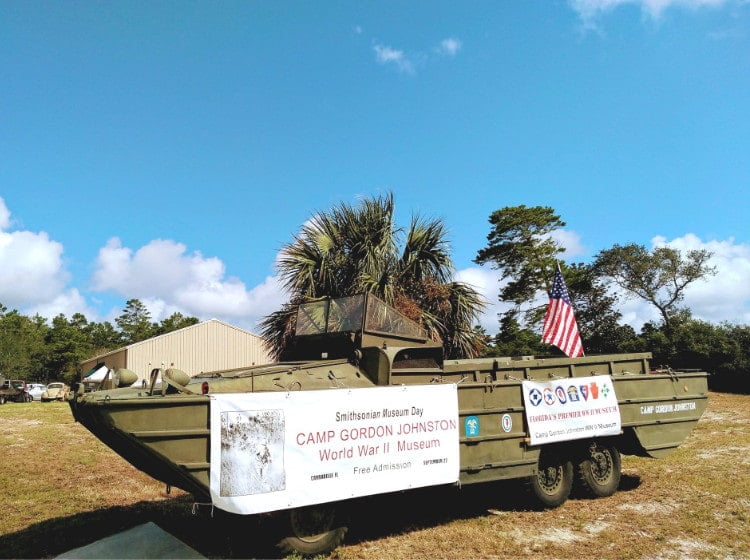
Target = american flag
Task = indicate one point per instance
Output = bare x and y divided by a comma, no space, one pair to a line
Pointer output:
560,327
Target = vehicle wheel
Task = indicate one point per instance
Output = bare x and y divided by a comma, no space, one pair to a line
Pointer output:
554,478
311,530
2,399
599,469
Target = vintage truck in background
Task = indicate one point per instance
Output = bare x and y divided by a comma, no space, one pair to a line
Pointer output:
14,390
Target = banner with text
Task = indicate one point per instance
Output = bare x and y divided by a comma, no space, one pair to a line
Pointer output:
571,408
273,451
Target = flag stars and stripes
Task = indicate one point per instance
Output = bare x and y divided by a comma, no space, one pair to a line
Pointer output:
560,328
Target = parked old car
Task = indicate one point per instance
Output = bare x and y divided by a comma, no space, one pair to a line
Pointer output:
36,390
56,391
13,390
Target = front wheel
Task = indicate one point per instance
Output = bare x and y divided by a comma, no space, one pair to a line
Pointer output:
311,530
599,469
554,478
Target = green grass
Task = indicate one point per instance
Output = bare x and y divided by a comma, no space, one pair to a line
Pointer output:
62,489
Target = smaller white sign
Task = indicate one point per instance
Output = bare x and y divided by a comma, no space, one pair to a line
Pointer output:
571,408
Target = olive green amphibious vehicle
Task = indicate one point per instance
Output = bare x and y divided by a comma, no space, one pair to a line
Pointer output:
546,421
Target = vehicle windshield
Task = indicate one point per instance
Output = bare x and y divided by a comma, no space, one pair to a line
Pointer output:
354,314
54,385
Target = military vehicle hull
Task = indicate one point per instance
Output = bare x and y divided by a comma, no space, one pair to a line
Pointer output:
168,436
164,427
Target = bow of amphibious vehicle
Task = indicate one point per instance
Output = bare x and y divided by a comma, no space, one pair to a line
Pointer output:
163,429
161,425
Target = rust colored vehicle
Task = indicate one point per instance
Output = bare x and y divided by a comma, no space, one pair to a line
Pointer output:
14,390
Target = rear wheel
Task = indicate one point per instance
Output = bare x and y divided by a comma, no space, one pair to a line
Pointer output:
599,469
311,530
553,480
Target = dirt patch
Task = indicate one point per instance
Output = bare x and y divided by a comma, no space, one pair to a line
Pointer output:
735,452
685,549
15,425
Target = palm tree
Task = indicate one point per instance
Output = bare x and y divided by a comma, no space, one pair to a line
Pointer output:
350,250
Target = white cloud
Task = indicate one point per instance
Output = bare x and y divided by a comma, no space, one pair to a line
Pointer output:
590,10
32,273
67,303
387,55
719,298
725,296
166,279
449,47
571,241
487,282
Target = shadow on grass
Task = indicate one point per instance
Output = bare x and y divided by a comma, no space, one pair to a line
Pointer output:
629,482
213,537
219,535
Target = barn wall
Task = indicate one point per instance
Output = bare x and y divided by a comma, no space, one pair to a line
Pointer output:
208,346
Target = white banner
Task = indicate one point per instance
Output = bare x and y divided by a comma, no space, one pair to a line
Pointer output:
279,450
571,408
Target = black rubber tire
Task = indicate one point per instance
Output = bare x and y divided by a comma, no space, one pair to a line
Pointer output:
553,481
2,399
311,530
599,469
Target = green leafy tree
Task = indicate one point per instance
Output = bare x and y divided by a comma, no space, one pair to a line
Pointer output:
659,277
22,345
350,250
67,344
175,322
733,374
521,247
135,322
515,340
595,310
103,337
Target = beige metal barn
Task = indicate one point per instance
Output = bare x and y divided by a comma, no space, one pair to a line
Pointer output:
208,346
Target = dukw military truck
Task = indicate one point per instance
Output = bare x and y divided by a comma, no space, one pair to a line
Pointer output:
364,404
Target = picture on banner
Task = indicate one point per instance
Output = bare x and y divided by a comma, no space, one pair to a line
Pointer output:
252,452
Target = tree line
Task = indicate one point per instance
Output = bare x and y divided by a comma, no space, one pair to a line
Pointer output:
33,349
352,249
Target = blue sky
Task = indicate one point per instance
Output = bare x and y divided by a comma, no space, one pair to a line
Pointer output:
166,151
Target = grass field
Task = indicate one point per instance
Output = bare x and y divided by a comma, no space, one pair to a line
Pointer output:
61,489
